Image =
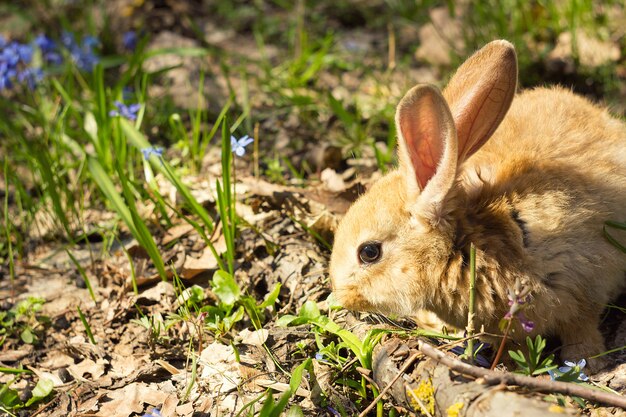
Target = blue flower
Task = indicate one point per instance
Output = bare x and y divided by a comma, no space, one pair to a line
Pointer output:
90,41
31,76
575,367
82,54
553,375
129,40
155,412
239,146
6,76
147,152
68,39
23,52
9,55
129,112
332,410
48,49
45,43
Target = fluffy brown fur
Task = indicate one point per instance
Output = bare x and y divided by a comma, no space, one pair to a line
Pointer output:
533,200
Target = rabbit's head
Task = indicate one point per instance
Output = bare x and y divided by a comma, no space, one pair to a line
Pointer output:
393,246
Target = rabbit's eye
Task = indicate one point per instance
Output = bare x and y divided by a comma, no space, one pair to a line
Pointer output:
370,252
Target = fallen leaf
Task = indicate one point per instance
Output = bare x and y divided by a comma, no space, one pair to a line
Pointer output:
206,261
333,181
87,369
254,338
130,399
176,232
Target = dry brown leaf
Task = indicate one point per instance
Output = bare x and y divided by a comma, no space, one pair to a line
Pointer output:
176,232
161,293
56,359
206,261
131,399
185,410
87,370
47,375
15,355
254,338
123,366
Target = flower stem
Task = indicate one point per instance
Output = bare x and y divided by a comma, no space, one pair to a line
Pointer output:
470,315
502,343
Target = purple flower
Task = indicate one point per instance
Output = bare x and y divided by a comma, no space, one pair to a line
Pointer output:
527,325
129,40
127,111
147,152
239,146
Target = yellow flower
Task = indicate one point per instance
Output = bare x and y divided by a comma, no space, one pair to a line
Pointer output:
454,409
423,397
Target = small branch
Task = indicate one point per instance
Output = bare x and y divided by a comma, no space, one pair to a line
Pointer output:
401,372
507,378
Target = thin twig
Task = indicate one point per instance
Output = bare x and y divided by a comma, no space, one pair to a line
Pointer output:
542,385
401,372
420,403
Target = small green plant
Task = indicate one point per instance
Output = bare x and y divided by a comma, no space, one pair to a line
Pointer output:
362,349
23,320
10,398
533,364
233,304
274,171
272,408
155,326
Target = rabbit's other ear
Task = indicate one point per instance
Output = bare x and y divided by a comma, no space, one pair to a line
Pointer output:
480,93
427,145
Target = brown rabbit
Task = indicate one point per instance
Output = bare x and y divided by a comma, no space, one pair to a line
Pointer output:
532,199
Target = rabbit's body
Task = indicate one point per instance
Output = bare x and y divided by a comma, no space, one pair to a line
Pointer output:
533,200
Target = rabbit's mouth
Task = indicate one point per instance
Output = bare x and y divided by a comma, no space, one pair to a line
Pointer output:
352,299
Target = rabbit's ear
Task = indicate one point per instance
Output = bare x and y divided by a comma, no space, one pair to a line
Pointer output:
427,144
480,94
